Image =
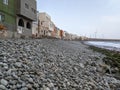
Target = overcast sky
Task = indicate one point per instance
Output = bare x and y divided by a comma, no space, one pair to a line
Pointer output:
85,17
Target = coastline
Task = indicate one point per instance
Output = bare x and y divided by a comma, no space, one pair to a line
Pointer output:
112,57
104,46
46,64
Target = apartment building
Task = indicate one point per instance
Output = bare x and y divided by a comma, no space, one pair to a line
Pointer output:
17,16
26,13
46,26
62,34
58,33
7,16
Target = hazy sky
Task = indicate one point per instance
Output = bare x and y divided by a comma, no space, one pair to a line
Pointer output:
85,17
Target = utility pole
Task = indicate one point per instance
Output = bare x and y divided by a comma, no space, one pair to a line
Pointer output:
96,34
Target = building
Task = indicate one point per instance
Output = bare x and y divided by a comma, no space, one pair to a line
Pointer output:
26,13
54,32
46,26
67,36
17,16
62,35
35,29
7,16
58,32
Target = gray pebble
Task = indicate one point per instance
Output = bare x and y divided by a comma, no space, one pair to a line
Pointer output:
4,82
2,87
18,64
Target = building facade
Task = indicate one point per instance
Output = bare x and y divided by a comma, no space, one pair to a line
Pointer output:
35,29
17,16
26,13
46,26
7,16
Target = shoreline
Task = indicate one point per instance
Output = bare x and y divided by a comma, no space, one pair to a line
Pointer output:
117,49
112,57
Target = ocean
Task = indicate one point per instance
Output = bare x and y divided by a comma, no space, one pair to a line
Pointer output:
111,45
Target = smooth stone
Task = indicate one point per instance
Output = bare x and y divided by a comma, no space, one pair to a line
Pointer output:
1,73
24,88
75,69
19,86
68,83
1,64
81,65
18,64
29,86
30,80
5,64
12,82
14,87
4,82
46,88
6,67
92,84
2,87
23,84
50,85
9,72
14,75
36,85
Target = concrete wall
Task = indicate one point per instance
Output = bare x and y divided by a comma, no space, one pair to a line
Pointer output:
27,8
24,30
34,28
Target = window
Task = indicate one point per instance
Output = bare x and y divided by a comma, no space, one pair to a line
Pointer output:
26,6
21,23
44,33
0,18
5,2
28,25
33,10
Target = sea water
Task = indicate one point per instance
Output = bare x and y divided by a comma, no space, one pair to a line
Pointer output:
112,45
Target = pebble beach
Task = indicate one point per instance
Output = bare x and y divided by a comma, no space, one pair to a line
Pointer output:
50,64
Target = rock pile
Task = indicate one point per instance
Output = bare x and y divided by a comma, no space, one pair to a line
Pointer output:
52,65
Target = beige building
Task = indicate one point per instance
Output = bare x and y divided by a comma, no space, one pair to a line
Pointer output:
45,26
59,34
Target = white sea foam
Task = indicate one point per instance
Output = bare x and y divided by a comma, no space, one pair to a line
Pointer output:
107,45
